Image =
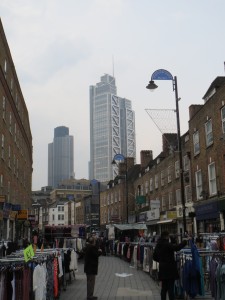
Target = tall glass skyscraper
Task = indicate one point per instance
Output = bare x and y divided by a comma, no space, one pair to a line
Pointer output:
112,128
60,157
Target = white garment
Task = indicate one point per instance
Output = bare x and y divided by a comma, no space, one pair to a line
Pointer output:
135,256
73,261
111,233
79,245
13,282
60,266
39,282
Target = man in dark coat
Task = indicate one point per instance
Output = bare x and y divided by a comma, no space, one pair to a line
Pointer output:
164,254
91,255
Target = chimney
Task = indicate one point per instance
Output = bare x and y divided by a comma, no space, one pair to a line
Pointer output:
146,157
193,109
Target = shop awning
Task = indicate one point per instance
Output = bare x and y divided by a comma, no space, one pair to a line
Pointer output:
151,222
130,226
165,221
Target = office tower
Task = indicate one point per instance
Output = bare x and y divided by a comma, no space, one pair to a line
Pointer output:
60,157
112,128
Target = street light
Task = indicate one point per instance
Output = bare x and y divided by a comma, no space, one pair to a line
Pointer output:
162,74
121,158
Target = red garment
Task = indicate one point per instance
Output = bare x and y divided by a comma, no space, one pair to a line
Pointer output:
55,277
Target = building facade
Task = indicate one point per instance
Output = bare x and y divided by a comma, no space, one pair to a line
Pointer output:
60,157
207,136
15,145
112,128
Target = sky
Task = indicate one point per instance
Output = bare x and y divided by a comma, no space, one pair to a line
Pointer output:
60,48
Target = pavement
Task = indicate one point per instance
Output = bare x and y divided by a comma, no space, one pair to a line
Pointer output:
116,279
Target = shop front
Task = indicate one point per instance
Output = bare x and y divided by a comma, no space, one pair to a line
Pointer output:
152,217
208,217
221,205
168,222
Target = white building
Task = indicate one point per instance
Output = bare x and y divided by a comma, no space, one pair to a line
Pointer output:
112,128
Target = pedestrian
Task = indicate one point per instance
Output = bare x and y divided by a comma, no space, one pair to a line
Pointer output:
91,254
164,255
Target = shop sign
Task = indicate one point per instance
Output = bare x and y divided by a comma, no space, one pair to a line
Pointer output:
16,207
154,204
152,214
22,214
2,199
171,214
12,215
140,199
207,211
187,211
142,217
6,210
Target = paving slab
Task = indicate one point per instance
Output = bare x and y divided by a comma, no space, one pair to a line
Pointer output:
116,279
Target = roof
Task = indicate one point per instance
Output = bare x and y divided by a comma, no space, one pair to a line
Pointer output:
217,83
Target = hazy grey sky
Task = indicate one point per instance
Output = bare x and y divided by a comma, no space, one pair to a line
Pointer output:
60,48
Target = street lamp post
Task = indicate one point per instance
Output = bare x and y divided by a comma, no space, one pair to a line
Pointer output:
121,158
96,190
162,74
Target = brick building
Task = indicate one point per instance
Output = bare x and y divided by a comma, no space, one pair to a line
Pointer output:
207,146
15,144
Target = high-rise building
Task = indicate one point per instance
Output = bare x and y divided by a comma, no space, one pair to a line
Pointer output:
60,157
112,128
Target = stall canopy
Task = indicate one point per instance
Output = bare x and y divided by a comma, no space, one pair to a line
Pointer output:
130,226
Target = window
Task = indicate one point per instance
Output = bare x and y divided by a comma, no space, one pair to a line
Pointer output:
5,67
1,181
163,202
162,178
178,197
171,204
60,208
17,168
212,179
8,191
9,162
177,169
208,133
196,143
60,217
2,146
198,180
223,118
3,107
186,165
10,122
146,187
187,193
116,197
151,184
11,84
14,164
15,133
156,181
53,217
169,174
